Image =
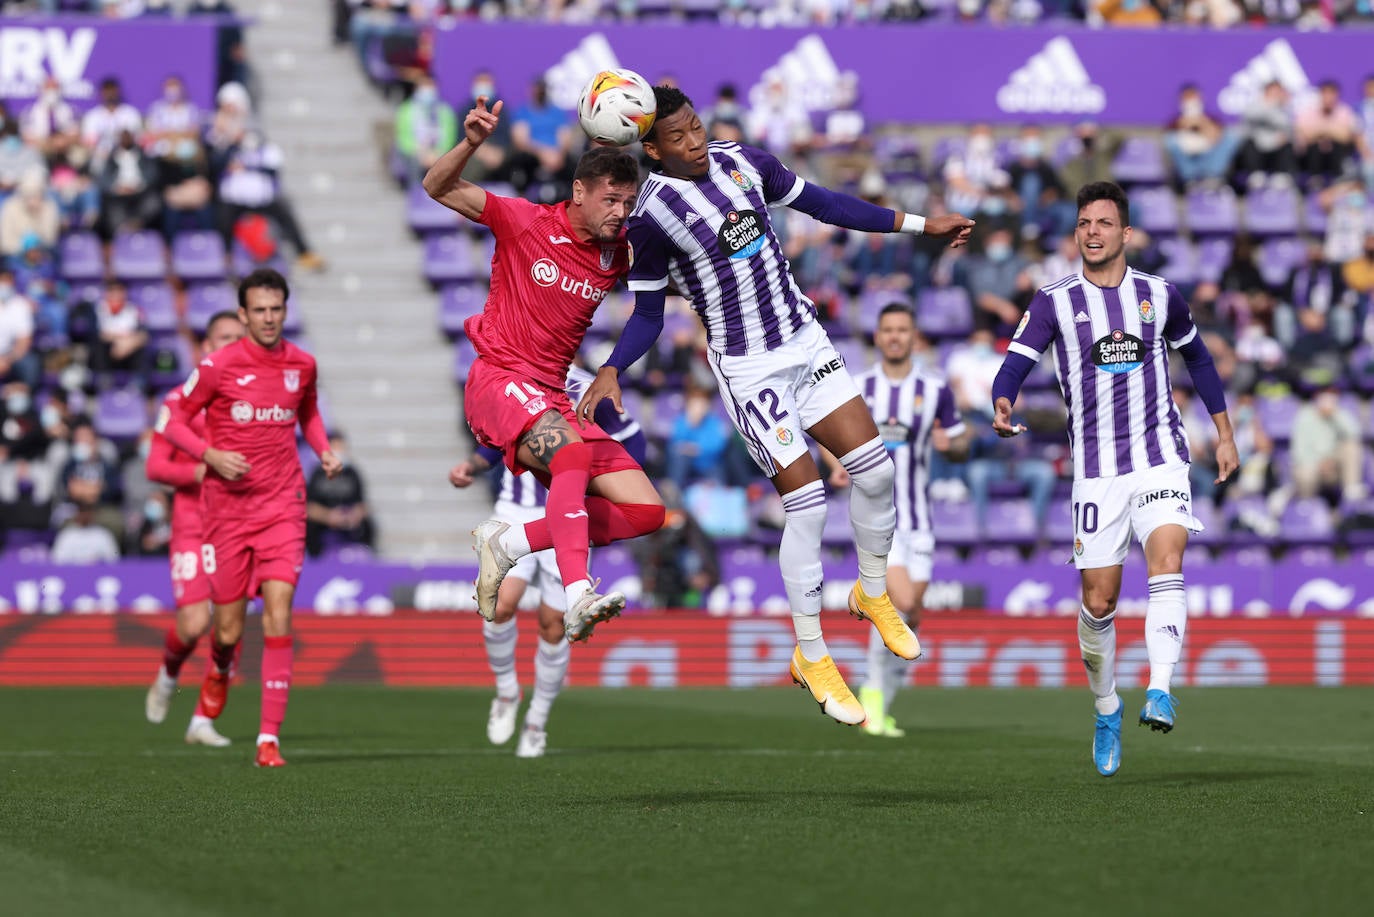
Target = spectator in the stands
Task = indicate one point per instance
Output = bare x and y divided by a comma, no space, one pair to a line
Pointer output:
17,158
779,121
1242,274
1323,310
229,125
90,476
541,139
102,125
77,197
1348,219
1127,13
250,185
50,124
1046,207
972,175
1200,149
18,360
22,437
123,337
998,282
375,20
696,446
1358,273
1267,154
1327,130
1327,452
187,194
1366,140
172,130
488,160
29,216
152,534
337,508
725,117
1092,161
426,127
128,188
83,540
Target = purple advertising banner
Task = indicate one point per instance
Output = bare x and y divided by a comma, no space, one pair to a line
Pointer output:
751,584
80,52
897,73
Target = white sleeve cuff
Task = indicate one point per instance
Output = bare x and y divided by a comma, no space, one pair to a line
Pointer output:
1029,353
792,195
913,223
1183,341
647,286
958,429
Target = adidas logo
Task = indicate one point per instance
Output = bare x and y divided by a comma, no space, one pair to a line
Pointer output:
575,69
1081,318
690,219
1277,61
1172,631
1053,80
810,75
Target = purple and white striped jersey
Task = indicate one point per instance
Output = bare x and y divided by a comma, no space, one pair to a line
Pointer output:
1113,366
714,239
524,490
906,410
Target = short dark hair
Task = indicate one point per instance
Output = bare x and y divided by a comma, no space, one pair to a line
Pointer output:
609,162
263,278
110,82
1106,191
220,316
897,308
668,100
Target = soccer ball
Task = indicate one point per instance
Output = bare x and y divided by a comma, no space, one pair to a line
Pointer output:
617,107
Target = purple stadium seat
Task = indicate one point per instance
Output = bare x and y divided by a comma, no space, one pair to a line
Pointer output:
1181,261
138,255
1307,521
852,351
667,407
425,215
1361,368
1276,415
1059,523
450,258
80,257
944,312
1359,538
175,344
1250,556
199,255
1313,555
1213,532
1010,522
1272,212
203,300
1313,216
1242,514
955,522
157,304
1140,161
1212,211
1155,210
837,530
457,302
242,263
121,414
1067,148
994,555
1278,256
294,325
1212,257
463,356
945,147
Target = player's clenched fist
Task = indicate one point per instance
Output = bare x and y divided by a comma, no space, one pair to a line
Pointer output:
480,123
229,465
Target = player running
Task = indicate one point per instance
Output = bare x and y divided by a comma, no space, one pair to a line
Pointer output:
702,223
253,393
1109,326
916,415
521,501
553,266
190,585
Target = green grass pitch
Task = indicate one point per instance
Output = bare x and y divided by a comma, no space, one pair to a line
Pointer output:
689,802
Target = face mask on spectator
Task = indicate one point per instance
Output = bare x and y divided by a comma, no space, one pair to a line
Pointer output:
980,348
1031,148
483,88
17,403
426,95
1191,108
49,417
186,148
82,452
999,251
6,291
980,144
994,205
154,511
1355,199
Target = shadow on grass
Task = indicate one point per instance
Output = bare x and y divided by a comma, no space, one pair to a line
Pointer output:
1204,777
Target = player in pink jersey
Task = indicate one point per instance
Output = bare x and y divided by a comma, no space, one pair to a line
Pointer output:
553,266
190,585
253,393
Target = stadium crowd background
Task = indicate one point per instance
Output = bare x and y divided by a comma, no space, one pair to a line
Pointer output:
122,231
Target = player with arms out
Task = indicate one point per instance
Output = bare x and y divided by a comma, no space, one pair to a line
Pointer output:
1111,327
553,266
702,224
916,415
521,501
253,393
190,584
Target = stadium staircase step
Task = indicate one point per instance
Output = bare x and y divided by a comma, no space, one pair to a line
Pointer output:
385,371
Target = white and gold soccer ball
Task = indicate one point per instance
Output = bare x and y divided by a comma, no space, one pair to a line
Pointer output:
617,107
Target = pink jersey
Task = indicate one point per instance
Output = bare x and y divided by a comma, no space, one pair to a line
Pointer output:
545,285
253,398
169,465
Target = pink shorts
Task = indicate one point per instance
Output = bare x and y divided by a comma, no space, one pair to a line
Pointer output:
241,554
190,585
501,406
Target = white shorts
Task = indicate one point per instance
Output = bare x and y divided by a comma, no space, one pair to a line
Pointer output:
540,569
772,397
1106,511
914,552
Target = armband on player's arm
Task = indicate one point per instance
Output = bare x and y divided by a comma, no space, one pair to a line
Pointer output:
643,328
1204,373
1010,378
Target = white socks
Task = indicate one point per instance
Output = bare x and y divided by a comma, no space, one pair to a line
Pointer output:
800,559
500,640
1166,618
1097,643
872,511
550,668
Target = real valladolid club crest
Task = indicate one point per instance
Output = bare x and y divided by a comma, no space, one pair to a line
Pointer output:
1147,311
607,257
784,436
291,378
741,179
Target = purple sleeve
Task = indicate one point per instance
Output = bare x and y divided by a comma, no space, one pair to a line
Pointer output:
1010,378
493,456
947,410
643,328
780,184
842,210
1206,379
1178,321
649,251
1037,330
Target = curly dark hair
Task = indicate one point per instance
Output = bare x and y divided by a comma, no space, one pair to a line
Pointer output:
668,100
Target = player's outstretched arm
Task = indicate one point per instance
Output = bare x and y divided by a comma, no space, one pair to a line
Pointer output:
849,212
444,181
642,329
